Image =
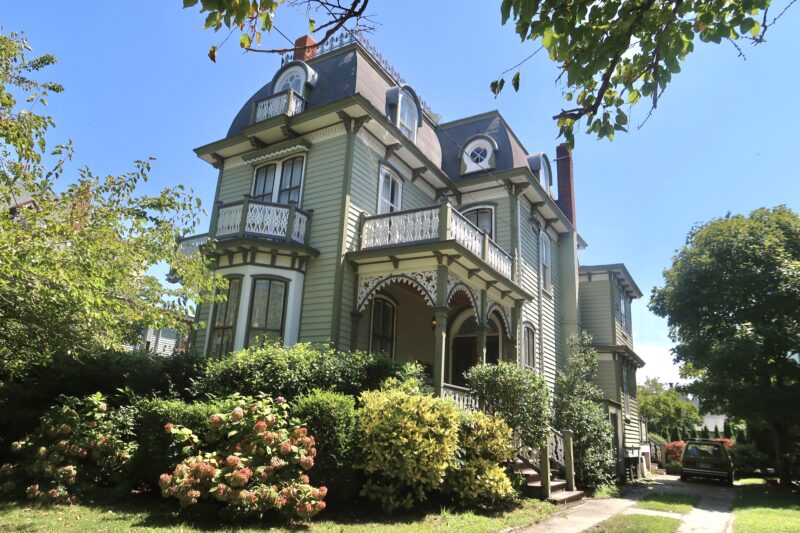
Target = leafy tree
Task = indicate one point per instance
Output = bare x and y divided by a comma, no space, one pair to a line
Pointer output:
732,299
716,432
74,251
611,54
577,408
726,430
664,408
705,434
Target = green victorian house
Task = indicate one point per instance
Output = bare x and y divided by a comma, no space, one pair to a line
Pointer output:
345,213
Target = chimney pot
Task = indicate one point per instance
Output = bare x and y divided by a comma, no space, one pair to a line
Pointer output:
566,182
304,48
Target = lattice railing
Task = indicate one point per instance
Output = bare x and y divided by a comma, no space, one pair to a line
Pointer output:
461,396
286,103
190,245
402,227
228,220
555,444
264,219
267,219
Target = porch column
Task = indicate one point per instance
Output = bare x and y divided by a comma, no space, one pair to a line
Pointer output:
480,337
482,321
513,342
440,313
355,319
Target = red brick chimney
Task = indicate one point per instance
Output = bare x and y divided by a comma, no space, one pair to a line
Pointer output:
304,48
566,182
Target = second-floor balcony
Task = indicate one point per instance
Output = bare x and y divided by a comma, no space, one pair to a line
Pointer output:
250,218
287,103
430,224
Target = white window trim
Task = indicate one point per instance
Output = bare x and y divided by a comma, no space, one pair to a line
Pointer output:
484,206
545,249
528,360
395,177
412,127
472,166
394,322
276,187
288,72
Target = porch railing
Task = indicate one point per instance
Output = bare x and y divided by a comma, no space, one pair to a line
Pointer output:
657,452
191,245
434,223
263,219
461,396
286,103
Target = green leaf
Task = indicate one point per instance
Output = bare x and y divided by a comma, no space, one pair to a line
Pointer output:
244,40
515,82
212,53
189,3
497,86
311,24
633,96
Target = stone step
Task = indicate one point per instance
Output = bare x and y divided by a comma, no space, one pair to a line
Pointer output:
566,498
530,474
534,488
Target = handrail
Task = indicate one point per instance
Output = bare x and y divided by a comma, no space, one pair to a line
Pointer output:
288,108
221,205
404,211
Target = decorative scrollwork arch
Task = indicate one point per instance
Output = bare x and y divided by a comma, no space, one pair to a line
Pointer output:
423,281
504,317
454,286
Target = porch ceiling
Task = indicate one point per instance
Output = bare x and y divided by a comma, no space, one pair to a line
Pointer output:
461,263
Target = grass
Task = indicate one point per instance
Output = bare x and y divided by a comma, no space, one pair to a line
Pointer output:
763,508
604,492
751,481
146,514
668,503
637,523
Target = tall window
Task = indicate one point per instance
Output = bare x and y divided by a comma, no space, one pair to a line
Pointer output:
529,347
224,324
546,270
382,326
268,188
623,316
390,191
407,118
483,217
267,311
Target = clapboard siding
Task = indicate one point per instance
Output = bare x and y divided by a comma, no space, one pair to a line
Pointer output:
235,183
322,192
632,424
607,377
201,327
596,314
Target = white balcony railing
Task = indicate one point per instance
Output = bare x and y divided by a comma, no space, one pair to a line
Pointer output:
286,103
262,219
425,224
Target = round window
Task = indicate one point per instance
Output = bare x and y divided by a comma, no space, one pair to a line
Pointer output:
478,154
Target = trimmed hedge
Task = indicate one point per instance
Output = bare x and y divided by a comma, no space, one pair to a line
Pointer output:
289,372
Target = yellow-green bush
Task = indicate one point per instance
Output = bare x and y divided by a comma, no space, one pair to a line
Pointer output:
407,444
476,479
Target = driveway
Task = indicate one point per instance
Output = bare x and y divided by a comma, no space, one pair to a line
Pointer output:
711,515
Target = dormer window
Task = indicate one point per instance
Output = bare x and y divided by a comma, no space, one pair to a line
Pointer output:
408,118
294,78
478,154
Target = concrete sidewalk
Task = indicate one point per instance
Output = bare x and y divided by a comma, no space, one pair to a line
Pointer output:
588,514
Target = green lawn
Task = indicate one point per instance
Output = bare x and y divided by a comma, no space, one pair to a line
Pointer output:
637,523
669,503
144,514
762,508
606,491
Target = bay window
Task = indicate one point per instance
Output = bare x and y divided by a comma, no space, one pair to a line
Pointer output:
223,325
267,311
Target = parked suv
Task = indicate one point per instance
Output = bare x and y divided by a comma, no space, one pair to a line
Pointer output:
706,458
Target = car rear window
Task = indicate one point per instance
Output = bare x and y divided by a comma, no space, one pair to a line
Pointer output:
711,451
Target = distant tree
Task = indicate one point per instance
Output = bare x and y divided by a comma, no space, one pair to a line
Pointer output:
727,432
674,435
705,434
716,432
610,55
694,433
741,437
732,300
664,408
74,250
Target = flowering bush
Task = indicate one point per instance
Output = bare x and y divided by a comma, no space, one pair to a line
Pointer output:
674,450
407,444
253,459
728,443
476,479
79,446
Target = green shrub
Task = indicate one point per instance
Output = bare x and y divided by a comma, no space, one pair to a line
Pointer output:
156,452
477,478
517,395
23,401
577,408
289,372
747,458
80,446
407,443
331,418
674,468
253,459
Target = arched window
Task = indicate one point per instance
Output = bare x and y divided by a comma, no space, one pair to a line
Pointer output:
482,217
267,310
545,270
267,188
390,192
294,78
382,326
529,346
407,116
223,326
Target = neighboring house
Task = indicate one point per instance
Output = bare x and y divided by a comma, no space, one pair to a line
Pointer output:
163,341
606,292
344,213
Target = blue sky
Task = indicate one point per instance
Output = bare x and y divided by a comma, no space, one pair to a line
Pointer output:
138,84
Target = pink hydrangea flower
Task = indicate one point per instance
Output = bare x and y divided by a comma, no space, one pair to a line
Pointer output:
237,414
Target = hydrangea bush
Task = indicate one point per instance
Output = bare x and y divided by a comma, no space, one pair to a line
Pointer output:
253,459
80,445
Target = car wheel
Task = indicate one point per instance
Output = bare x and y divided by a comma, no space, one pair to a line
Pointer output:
729,481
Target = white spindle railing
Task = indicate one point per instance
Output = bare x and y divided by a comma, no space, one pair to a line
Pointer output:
286,103
466,233
402,227
461,396
498,259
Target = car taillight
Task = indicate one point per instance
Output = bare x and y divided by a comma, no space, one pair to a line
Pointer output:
688,462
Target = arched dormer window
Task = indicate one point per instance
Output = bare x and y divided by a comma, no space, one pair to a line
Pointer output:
483,217
295,75
478,154
405,110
